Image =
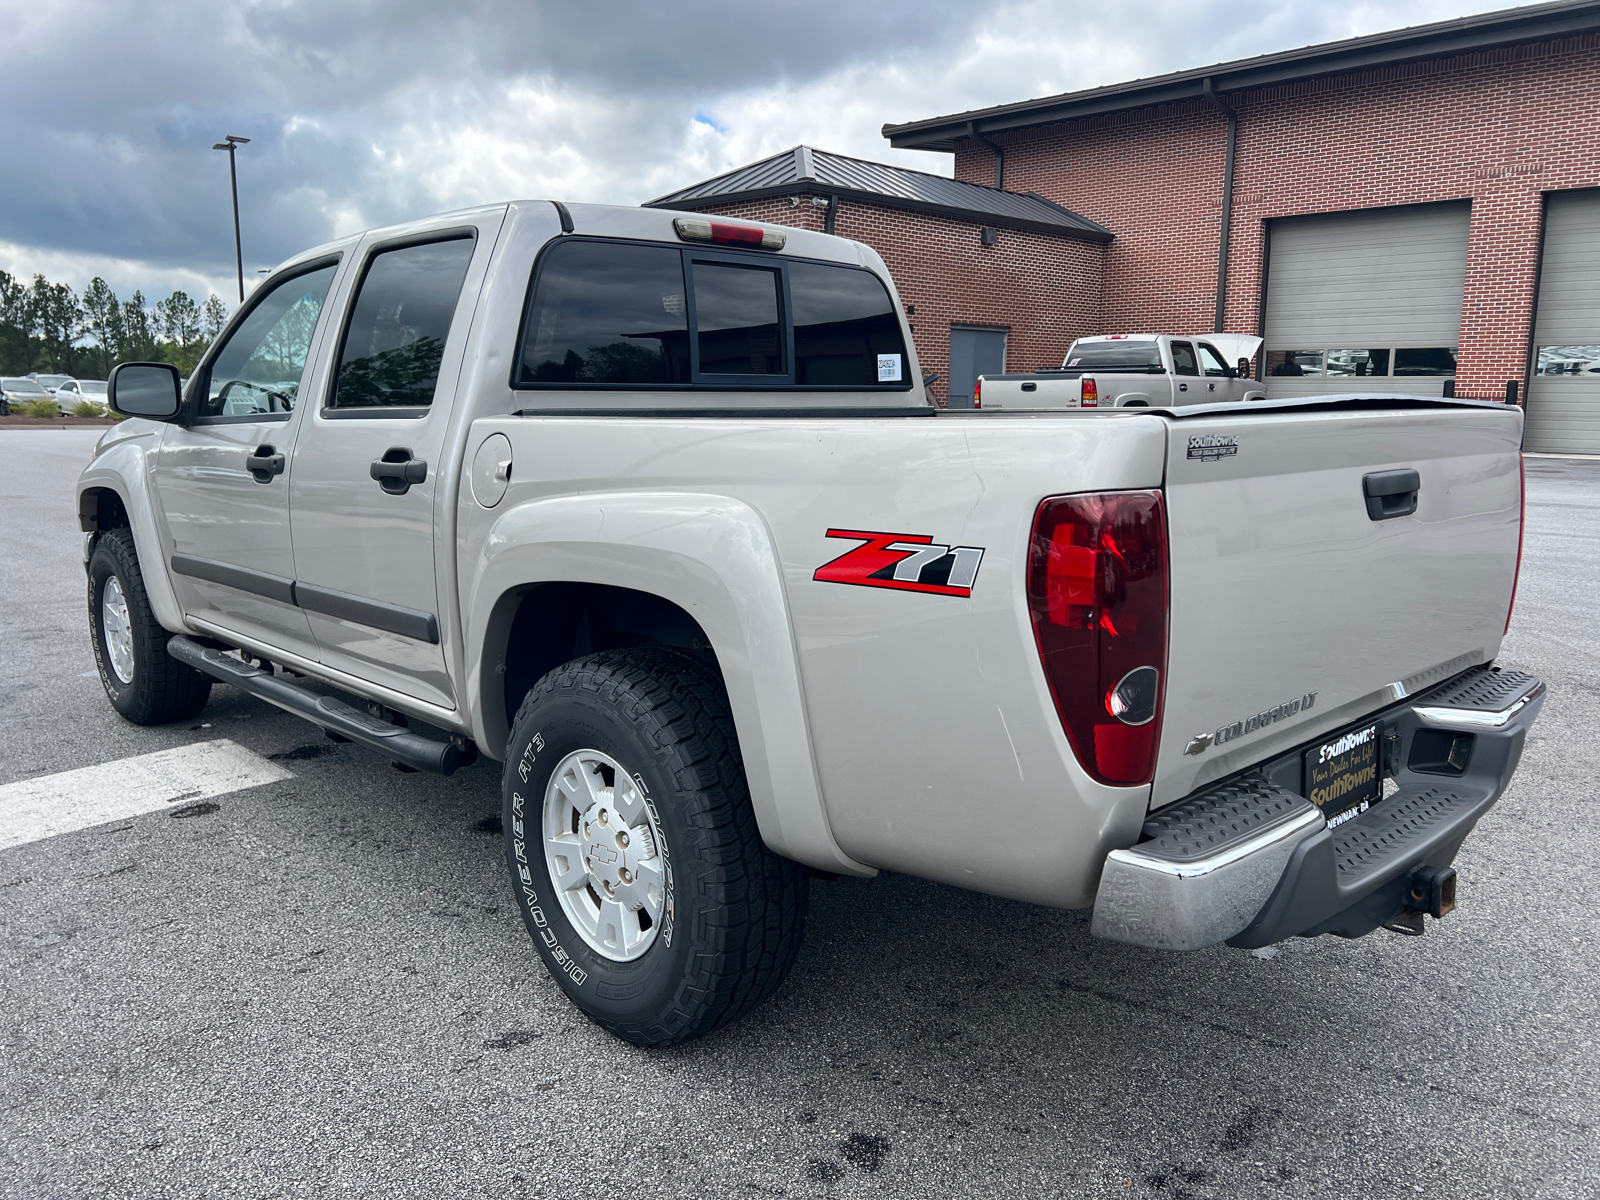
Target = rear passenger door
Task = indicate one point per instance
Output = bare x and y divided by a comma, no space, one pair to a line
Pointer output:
368,489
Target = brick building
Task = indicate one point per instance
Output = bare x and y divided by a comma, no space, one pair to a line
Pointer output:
1420,206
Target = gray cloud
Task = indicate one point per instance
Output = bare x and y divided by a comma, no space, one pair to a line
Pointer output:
362,114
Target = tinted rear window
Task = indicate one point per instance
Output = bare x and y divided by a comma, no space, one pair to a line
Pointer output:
624,314
844,323
736,319
1105,356
608,312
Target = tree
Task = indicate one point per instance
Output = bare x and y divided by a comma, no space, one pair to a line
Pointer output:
179,319
138,332
16,349
213,316
58,320
102,313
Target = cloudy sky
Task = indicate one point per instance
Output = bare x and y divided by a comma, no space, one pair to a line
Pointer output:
365,113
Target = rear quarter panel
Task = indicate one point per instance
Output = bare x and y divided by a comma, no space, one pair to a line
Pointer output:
936,746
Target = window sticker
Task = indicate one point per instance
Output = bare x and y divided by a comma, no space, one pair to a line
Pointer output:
888,368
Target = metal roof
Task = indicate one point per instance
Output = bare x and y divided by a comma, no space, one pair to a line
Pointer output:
807,171
1512,26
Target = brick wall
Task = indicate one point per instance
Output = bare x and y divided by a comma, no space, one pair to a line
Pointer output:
1046,290
1498,128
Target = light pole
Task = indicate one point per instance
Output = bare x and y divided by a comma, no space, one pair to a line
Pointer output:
233,177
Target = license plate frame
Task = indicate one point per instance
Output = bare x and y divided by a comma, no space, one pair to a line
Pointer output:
1343,773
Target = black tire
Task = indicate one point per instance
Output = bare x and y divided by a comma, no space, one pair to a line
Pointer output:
735,911
162,688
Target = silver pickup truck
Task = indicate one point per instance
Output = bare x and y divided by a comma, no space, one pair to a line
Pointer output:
1133,370
649,508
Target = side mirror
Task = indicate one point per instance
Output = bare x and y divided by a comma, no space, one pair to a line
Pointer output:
1244,368
150,390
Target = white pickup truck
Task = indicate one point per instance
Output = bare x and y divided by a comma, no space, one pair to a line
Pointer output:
1133,370
648,507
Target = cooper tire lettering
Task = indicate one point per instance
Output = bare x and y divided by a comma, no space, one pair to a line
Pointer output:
661,719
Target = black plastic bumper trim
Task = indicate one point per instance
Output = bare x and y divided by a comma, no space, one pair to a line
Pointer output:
395,742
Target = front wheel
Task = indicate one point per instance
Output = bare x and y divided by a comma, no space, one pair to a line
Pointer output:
143,682
634,851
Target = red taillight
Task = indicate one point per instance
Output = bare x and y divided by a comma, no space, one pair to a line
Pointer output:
723,233
1097,593
1522,525
1090,395
977,393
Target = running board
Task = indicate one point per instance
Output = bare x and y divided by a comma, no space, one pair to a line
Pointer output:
396,742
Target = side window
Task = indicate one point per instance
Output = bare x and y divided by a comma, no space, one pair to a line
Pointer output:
736,319
395,340
845,328
258,369
1183,359
1212,361
607,313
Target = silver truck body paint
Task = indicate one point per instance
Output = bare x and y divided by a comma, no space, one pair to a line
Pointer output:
875,722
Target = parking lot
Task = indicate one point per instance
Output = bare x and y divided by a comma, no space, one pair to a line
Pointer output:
320,985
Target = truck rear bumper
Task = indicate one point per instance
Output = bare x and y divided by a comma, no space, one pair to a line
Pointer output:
1252,861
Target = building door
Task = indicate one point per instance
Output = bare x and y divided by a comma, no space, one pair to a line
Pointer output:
1564,395
1365,301
974,350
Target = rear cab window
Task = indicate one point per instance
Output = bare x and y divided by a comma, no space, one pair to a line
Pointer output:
607,314
1124,354
1183,362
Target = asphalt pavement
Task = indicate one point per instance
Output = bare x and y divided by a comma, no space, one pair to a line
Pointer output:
320,986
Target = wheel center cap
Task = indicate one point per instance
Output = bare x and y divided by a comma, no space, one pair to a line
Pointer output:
606,841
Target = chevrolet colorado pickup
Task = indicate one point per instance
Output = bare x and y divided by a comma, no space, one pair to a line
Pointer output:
648,507
1133,370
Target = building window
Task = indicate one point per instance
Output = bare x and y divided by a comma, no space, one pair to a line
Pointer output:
1439,360
1368,363
1357,363
1294,362
1568,360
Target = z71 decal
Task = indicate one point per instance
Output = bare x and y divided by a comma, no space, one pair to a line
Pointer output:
910,561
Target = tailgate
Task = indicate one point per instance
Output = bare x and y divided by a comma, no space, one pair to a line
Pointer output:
1293,611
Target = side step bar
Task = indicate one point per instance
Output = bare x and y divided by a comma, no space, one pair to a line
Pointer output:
394,741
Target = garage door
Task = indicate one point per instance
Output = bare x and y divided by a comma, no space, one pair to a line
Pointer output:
1564,398
1366,301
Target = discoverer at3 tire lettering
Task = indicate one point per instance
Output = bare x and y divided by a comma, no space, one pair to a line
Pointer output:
633,849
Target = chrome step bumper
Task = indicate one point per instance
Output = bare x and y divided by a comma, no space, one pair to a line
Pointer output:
1251,861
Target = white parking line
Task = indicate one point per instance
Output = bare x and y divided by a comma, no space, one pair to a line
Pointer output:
31,809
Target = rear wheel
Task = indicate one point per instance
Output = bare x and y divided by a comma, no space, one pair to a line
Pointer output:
143,682
634,851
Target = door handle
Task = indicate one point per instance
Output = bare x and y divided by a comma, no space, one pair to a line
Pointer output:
264,462
396,471
1391,494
